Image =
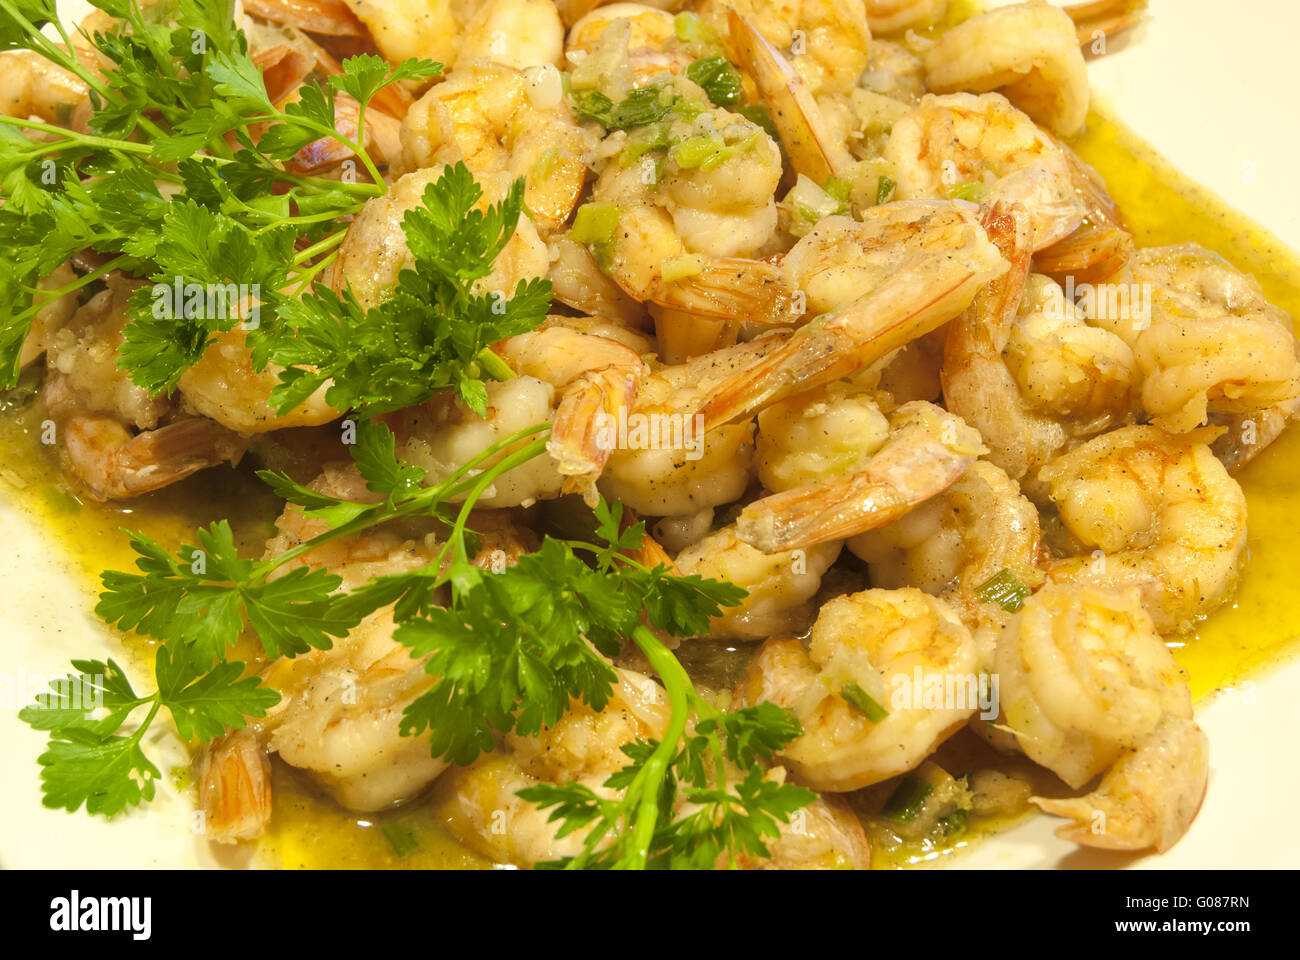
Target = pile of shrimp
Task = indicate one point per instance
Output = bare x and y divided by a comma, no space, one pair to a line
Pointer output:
858,319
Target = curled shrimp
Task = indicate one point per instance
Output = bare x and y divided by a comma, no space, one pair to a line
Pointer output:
339,716
582,382
503,124
598,379
652,45
1017,379
689,469
956,542
981,146
1159,512
374,250
1028,52
685,238
1209,343
930,291
117,440
480,803
881,641
780,585
1087,686
927,450
517,33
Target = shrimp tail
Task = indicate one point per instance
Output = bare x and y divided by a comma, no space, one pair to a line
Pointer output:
1104,18
928,451
581,436
234,787
1148,799
113,465
795,113
905,306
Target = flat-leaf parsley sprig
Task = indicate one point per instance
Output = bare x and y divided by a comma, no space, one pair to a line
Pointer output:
184,172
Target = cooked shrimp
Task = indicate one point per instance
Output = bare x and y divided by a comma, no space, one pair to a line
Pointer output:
1159,512
339,714
517,33
1211,342
114,464
1066,368
815,147
577,281
1028,52
96,406
683,239
930,291
224,387
982,146
374,251
977,384
652,45
411,28
598,380
828,39
843,259
33,86
503,126
825,835
956,542
882,641
582,382
780,584
1087,685
673,467
927,450
480,803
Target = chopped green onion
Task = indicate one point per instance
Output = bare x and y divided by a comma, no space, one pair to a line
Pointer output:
885,188
1003,589
400,838
972,190
595,223
652,137
840,189
863,702
718,78
956,822
702,151
811,202
907,800
641,106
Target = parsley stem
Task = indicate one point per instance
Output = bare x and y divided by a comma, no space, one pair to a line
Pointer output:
49,296
648,780
426,499
319,247
127,146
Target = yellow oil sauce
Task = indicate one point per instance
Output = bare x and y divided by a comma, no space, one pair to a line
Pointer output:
1161,206
1256,630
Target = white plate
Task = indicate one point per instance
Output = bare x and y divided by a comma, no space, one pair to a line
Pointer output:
1207,85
